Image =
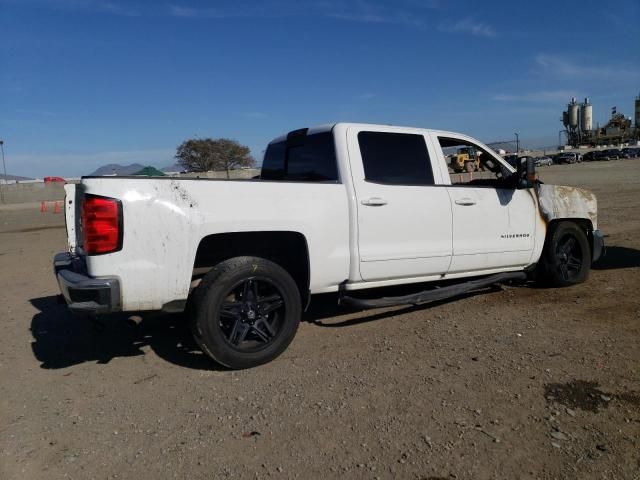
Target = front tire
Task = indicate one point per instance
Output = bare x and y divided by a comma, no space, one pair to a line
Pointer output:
245,312
566,257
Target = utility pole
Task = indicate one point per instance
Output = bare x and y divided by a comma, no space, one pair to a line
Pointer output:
517,144
4,167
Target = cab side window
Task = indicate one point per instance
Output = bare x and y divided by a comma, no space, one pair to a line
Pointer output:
471,165
395,158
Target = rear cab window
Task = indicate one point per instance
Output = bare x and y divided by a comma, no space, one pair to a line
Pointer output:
301,157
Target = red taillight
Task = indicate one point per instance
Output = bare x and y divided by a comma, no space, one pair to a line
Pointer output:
101,225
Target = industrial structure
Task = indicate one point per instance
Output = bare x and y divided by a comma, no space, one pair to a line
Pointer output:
578,124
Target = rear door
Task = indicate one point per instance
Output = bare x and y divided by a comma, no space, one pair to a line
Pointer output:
404,220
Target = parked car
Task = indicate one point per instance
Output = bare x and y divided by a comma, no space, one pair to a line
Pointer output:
589,156
601,155
633,152
623,153
567,157
543,161
338,208
514,159
614,153
54,180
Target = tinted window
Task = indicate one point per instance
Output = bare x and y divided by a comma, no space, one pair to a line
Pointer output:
273,162
395,158
302,158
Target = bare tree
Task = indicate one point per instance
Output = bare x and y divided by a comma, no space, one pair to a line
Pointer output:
196,155
231,155
201,155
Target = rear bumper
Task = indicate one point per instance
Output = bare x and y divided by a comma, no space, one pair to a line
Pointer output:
598,246
82,292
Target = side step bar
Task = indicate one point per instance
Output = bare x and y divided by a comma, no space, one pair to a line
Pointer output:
434,294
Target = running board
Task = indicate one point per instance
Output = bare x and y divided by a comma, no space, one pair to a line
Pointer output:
434,294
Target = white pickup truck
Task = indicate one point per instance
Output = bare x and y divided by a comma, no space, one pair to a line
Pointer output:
336,208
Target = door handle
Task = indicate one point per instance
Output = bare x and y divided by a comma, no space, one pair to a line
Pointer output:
374,202
465,201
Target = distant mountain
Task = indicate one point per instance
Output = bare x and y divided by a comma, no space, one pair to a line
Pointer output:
14,177
548,148
173,168
114,168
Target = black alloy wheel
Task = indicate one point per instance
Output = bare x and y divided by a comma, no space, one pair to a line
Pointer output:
245,312
566,256
569,257
251,315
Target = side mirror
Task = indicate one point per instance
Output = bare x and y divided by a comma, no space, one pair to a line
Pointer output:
526,172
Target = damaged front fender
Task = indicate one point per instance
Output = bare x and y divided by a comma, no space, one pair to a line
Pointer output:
557,202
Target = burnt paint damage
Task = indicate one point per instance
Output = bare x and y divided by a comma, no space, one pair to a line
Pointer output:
558,201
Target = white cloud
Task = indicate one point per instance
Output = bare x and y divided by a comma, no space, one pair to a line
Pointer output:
35,112
191,12
181,11
116,9
254,115
469,26
553,96
406,12
402,12
124,9
430,4
362,11
568,68
395,17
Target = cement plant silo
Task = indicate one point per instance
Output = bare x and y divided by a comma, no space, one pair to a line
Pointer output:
586,116
572,112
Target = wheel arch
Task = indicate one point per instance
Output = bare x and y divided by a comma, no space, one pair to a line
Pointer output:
584,223
288,249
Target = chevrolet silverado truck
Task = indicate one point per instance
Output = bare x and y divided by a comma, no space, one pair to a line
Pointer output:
336,208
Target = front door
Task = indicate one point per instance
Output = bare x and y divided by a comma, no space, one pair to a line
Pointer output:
493,223
492,228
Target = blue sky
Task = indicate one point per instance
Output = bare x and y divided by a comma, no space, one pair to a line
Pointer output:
89,82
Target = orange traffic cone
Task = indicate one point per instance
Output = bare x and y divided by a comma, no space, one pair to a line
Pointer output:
43,207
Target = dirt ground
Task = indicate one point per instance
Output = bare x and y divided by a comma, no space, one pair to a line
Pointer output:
513,382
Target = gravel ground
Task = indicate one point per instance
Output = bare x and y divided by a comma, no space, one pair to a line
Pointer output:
512,382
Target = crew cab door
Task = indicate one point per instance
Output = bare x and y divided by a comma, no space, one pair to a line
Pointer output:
404,221
493,222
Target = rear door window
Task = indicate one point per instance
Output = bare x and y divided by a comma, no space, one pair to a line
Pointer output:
395,158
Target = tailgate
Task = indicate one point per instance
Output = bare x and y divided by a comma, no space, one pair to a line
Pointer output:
70,209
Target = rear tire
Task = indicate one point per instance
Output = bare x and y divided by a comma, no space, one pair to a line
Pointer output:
245,312
566,257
